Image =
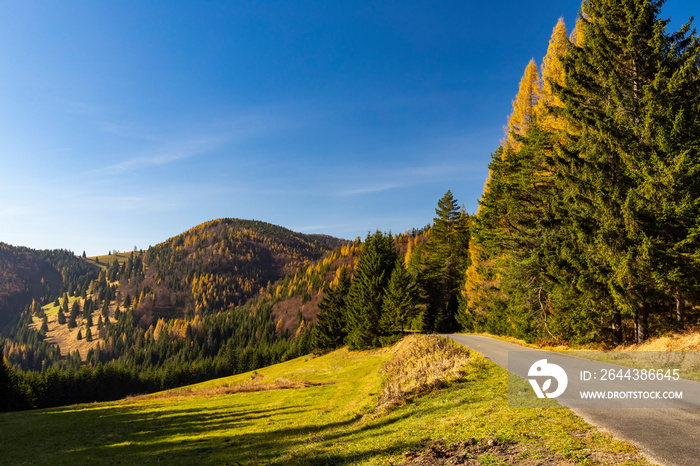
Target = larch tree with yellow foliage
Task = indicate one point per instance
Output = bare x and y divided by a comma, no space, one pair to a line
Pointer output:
480,275
552,72
507,286
524,104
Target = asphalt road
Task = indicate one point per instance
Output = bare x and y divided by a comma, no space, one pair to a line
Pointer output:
668,435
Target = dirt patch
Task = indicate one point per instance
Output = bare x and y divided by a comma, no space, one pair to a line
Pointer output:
479,452
492,451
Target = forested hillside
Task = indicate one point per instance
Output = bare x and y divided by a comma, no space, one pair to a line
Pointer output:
197,306
211,267
29,277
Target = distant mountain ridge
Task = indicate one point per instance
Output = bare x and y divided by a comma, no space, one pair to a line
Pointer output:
213,267
210,267
28,275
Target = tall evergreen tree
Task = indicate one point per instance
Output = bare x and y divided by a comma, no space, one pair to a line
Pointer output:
444,263
61,316
330,330
629,85
44,325
552,72
366,295
400,305
9,390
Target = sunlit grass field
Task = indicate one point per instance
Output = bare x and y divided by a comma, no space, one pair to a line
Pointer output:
306,411
107,259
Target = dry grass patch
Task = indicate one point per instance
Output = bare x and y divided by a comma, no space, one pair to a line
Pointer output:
254,385
685,341
423,363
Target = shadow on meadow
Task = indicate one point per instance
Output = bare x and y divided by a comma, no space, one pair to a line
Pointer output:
225,435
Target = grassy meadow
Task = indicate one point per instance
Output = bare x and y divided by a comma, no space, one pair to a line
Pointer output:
106,260
316,410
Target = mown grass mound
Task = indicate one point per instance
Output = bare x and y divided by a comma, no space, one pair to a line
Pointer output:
318,411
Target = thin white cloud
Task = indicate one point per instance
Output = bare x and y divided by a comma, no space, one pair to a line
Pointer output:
168,154
445,159
389,178
171,149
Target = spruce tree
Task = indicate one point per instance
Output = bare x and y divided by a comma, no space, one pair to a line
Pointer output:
366,294
445,260
44,325
399,306
330,330
629,85
61,316
9,389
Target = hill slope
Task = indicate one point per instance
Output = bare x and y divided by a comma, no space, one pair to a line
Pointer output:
180,304
212,267
27,274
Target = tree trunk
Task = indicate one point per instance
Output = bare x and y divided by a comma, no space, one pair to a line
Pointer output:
642,323
617,329
680,311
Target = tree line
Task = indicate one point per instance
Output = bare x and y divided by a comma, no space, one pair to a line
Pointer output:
587,230
390,292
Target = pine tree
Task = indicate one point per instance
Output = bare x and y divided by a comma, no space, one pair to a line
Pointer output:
61,316
524,105
330,330
399,306
72,322
552,71
64,304
364,301
445,260
44,325
629,85
11,398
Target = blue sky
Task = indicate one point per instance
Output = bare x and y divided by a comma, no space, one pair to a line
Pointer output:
123,123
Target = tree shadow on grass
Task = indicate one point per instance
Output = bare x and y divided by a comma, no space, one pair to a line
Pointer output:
229,435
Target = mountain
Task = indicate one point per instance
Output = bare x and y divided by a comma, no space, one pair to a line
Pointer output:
224,297
28,275
212,267
179,303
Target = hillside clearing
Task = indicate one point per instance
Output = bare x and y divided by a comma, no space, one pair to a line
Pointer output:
329,418
67,339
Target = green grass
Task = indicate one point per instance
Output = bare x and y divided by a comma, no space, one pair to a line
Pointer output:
330,423
107,260
50,309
